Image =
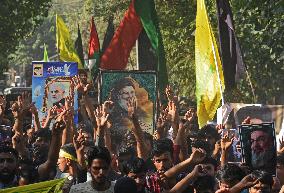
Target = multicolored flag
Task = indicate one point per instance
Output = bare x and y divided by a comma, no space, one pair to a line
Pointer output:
94,49
65,44
209,73
140,14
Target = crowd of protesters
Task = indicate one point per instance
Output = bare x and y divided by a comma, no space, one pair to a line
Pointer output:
179,157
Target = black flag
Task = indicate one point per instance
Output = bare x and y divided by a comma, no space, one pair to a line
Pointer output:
109,34
79,46
147,59
233,65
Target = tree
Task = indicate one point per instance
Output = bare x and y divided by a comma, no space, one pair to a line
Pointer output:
18,20
258,24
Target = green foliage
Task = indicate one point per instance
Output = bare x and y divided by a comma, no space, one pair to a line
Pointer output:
18,20
258,25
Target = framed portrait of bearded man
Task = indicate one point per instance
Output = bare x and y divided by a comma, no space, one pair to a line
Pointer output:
258,146
123,86
51,84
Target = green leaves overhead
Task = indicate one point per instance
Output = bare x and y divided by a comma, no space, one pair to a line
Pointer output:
18,19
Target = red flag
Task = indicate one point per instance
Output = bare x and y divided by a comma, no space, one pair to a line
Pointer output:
116,55
94,44
94,49
140,14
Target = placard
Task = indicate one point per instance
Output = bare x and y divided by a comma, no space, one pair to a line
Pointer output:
51,83
258,146
119,87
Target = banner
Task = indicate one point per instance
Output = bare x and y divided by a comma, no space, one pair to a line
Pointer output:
122,86
234,114
51,84
53,186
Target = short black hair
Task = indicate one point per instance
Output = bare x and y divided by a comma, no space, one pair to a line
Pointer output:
125,184
204,183
209,129
126,150
263,176
162,146
45,133
7,149
98,152
210,160
69,148
135,165
280,159
203,145
230,173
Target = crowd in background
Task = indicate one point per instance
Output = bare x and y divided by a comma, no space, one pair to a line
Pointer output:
179,157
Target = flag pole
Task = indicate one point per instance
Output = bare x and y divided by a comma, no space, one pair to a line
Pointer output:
57,45
137,56
217,69
252,88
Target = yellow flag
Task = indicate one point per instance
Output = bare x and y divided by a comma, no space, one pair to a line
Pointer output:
209,73
52,186
65,44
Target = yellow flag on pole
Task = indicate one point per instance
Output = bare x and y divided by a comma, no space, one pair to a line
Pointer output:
65,44
209,73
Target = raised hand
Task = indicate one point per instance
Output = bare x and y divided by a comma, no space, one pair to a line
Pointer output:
172,111
16,110
281,142
101,116
51,113
69,102
246,121
24,101
198,155
79,142
223,190
58,126
107,106
220,128
79,86
190,114
131,106
247,181
16,140
33,109
226,142
198,171
3,101
169,93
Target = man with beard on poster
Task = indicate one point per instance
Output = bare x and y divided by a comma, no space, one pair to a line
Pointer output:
262,150
123,92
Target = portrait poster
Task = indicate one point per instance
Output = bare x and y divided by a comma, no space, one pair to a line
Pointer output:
258,146
119,87
235,113
51,84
